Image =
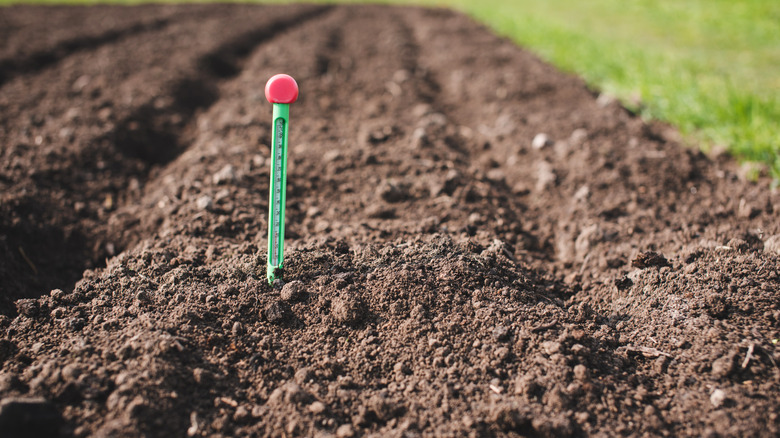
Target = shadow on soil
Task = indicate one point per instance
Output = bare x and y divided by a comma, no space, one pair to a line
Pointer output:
36,61
39,258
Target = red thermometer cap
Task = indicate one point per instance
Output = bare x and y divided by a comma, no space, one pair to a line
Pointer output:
281,89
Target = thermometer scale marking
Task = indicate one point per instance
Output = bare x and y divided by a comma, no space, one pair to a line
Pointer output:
277,208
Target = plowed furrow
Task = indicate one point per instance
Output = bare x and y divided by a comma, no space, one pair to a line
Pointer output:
111,166
605,187
33,62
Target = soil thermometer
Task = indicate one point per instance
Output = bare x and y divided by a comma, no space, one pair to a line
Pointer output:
281,90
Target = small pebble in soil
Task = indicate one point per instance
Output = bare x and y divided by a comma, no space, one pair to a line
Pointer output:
237,329
718,397
541,140
317,407
204,203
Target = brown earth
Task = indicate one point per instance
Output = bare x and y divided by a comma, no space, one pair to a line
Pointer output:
449,271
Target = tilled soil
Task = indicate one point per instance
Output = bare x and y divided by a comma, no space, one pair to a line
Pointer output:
449,270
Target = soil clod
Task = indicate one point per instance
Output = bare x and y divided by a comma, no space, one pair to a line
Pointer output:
649,259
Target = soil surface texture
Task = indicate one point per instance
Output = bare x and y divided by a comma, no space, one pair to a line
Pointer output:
477,244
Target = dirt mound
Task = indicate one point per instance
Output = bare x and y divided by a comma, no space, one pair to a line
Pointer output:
478,245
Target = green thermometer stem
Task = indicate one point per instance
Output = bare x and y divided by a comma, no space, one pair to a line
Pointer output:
278,191
281,90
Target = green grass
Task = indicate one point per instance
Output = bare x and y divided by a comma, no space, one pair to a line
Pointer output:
709,67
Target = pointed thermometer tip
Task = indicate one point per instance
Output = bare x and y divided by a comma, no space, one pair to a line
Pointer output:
281,89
